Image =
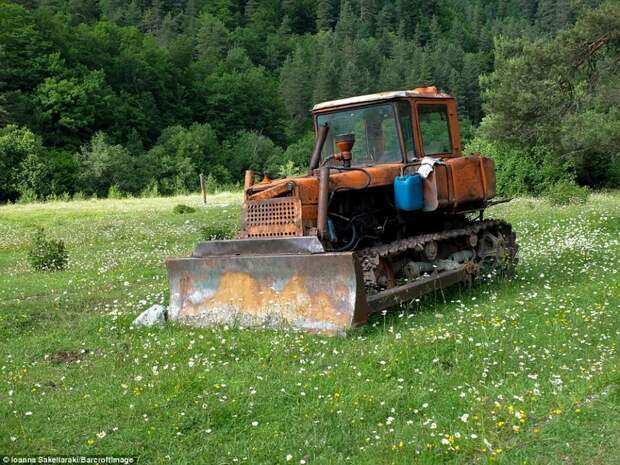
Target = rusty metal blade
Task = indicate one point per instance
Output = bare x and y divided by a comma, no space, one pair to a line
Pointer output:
289,245
314,292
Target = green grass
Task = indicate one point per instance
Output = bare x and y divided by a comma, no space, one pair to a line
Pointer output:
444,382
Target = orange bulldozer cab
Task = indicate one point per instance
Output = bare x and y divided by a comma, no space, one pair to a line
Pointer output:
432,133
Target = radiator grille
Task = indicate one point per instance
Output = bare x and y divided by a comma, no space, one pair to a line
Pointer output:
271,218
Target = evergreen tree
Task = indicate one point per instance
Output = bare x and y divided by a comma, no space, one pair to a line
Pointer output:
346,27
212,40
84,11
326,82
326,14
367,15
151,21
470,88
133,14
189,17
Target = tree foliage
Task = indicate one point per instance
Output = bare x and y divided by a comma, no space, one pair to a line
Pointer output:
20,150
562,94
147,94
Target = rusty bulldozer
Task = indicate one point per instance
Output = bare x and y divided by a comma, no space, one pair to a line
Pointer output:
390,210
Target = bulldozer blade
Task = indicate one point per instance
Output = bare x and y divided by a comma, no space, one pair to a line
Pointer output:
296,287
289,245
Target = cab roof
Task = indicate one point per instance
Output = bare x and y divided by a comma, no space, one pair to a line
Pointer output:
430,92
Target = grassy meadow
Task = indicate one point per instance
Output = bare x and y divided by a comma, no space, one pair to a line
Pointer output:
522,372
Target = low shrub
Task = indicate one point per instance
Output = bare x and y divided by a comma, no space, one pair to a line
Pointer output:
566,192
114,192
151,190
221,231
27,196
289,169
64,197
212,185
47,254
183,209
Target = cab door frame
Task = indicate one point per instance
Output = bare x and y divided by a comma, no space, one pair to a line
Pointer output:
453,126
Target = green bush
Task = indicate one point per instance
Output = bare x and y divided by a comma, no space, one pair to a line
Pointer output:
211,184
151,190
20,151
566,192
63,197
251,150
27,196
114,192
46,254
183,209
221,231
289,169
520,170
105,168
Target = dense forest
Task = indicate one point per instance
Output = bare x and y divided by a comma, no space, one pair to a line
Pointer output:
103,97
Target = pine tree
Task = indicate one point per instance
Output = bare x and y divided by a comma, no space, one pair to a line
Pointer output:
326,15
347,23
250,8
212,40
368,13
455,89
425,70
326,81
297,83
84,11
285,27
385,19
189,17
553,15
348,80
167,30
151,21
470,87
4,114
133,14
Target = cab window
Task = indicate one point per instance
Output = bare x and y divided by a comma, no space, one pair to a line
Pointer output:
404,115
434,129
375,131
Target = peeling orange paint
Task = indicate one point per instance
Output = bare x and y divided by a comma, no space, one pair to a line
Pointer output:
244,293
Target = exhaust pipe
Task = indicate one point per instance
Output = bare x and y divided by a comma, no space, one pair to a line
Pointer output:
321,135
323,202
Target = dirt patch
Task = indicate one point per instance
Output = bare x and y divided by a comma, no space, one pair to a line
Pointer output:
67,356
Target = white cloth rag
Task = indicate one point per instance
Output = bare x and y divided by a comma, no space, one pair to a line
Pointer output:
426,167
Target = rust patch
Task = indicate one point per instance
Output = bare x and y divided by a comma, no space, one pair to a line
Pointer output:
185,283
246,295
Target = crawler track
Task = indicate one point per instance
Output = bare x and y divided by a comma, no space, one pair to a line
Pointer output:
492,244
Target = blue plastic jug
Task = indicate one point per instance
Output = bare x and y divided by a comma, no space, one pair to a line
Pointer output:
408,193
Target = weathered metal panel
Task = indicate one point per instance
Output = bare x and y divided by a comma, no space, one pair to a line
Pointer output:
321,293
389,95
259,246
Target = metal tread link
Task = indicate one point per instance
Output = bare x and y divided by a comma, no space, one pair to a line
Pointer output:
366,256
